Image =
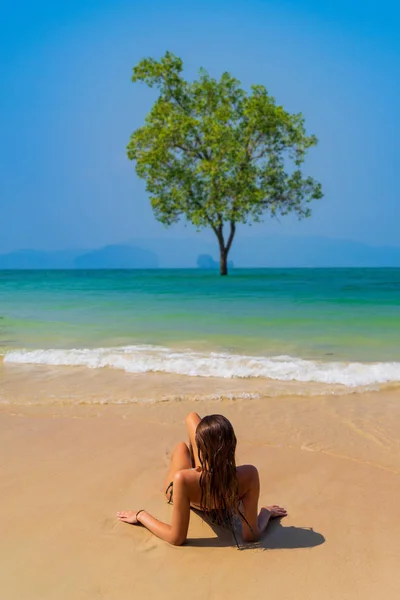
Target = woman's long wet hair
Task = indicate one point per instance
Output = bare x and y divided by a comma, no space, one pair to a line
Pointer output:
216,444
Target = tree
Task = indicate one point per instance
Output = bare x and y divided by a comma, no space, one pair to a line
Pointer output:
216,155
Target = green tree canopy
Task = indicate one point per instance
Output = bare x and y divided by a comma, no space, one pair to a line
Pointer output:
216,155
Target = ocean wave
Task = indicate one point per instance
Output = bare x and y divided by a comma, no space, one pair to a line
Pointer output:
146,359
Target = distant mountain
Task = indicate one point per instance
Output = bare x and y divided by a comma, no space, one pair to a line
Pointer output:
312,251
118,257
109,257
178,253
273,251
37,259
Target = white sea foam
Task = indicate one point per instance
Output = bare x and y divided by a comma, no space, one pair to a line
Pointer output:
144,359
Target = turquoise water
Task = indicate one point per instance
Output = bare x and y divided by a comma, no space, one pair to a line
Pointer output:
314,314
353,314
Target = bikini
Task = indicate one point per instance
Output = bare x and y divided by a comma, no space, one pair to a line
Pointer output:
170,489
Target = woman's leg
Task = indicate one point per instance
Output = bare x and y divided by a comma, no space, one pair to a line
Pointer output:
180,459
192,420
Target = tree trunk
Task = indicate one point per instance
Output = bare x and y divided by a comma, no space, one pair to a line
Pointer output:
224,248
223,262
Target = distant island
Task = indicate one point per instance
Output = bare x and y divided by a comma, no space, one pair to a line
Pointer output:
206,261
109,257
118,257
268,252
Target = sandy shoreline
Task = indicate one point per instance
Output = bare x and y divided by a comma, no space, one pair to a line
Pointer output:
333,461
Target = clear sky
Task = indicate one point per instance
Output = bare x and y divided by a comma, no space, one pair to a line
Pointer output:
67,108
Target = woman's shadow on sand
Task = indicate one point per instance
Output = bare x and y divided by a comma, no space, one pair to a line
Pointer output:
277,537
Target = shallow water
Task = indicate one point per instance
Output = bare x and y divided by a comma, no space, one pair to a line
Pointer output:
308,325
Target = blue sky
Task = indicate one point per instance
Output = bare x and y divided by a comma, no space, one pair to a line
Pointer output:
67,108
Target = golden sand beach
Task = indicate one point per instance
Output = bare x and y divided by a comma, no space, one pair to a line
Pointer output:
67,467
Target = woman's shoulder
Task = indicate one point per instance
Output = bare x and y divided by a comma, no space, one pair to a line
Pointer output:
247,472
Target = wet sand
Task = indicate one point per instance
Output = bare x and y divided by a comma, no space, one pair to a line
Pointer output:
67,466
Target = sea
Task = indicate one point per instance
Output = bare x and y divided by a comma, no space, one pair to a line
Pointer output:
325,326
337,325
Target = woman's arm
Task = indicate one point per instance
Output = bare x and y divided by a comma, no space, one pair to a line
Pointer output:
250,493
253,525
175,533
192,420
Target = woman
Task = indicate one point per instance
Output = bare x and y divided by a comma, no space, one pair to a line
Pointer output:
205,477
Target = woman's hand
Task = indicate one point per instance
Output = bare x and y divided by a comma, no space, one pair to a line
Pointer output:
275,511
128,516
